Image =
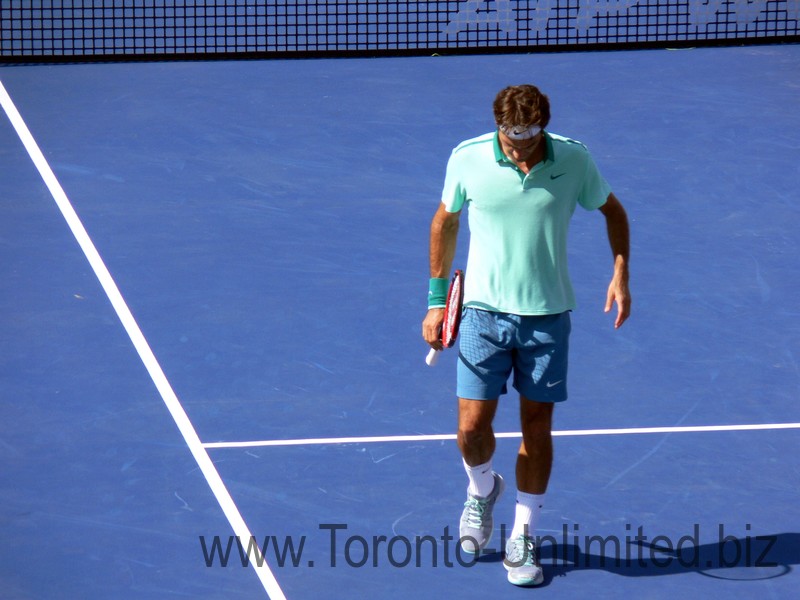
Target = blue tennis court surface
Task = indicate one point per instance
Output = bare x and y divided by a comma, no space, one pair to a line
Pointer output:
266,224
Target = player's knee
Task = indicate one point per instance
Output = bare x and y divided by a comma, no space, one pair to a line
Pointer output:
475,433
472,434
536,417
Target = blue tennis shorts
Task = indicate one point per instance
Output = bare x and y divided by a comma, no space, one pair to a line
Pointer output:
494,345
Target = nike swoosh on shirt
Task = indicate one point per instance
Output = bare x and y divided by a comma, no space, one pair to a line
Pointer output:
557,176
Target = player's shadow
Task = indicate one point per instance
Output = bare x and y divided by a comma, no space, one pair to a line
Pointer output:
748,558
732,558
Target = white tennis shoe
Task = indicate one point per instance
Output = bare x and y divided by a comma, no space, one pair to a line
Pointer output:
477,523
521,562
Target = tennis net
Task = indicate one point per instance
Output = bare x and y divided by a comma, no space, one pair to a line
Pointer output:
96,29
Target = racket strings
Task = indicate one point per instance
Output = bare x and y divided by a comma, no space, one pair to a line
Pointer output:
452,314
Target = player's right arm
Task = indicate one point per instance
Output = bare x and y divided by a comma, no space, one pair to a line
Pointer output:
444,233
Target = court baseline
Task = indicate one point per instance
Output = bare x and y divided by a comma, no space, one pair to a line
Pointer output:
452,436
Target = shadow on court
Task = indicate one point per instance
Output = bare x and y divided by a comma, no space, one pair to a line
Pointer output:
732,558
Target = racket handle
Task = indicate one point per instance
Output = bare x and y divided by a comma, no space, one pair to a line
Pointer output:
433,357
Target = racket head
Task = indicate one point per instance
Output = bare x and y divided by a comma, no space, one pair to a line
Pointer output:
452,309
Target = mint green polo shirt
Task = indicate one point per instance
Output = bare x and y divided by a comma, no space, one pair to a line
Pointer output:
518,223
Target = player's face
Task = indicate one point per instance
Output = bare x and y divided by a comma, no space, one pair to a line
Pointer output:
519,150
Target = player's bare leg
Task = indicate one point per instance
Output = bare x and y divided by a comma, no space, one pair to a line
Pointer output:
475,432
477,444
534,464
535,459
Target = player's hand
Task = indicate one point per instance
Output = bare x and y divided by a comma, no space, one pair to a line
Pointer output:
432,328
619,294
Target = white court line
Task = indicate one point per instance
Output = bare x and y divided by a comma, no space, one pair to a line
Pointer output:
140,343
451,436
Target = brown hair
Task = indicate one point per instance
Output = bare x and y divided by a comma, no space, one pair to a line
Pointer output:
521,106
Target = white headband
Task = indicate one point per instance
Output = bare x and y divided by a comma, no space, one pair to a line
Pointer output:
518,132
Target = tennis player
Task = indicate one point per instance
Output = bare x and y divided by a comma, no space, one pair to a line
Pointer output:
521,185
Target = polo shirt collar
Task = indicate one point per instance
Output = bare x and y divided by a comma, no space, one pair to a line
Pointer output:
549,154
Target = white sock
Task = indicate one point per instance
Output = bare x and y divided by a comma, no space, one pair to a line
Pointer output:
481,479
526,514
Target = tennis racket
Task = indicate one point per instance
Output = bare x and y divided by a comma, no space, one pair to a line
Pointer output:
452,316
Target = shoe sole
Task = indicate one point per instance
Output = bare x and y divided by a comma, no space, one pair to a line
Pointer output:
525,582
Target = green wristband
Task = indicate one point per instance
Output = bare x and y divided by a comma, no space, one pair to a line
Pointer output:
437,292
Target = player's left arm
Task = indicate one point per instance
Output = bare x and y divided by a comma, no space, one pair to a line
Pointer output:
619,239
